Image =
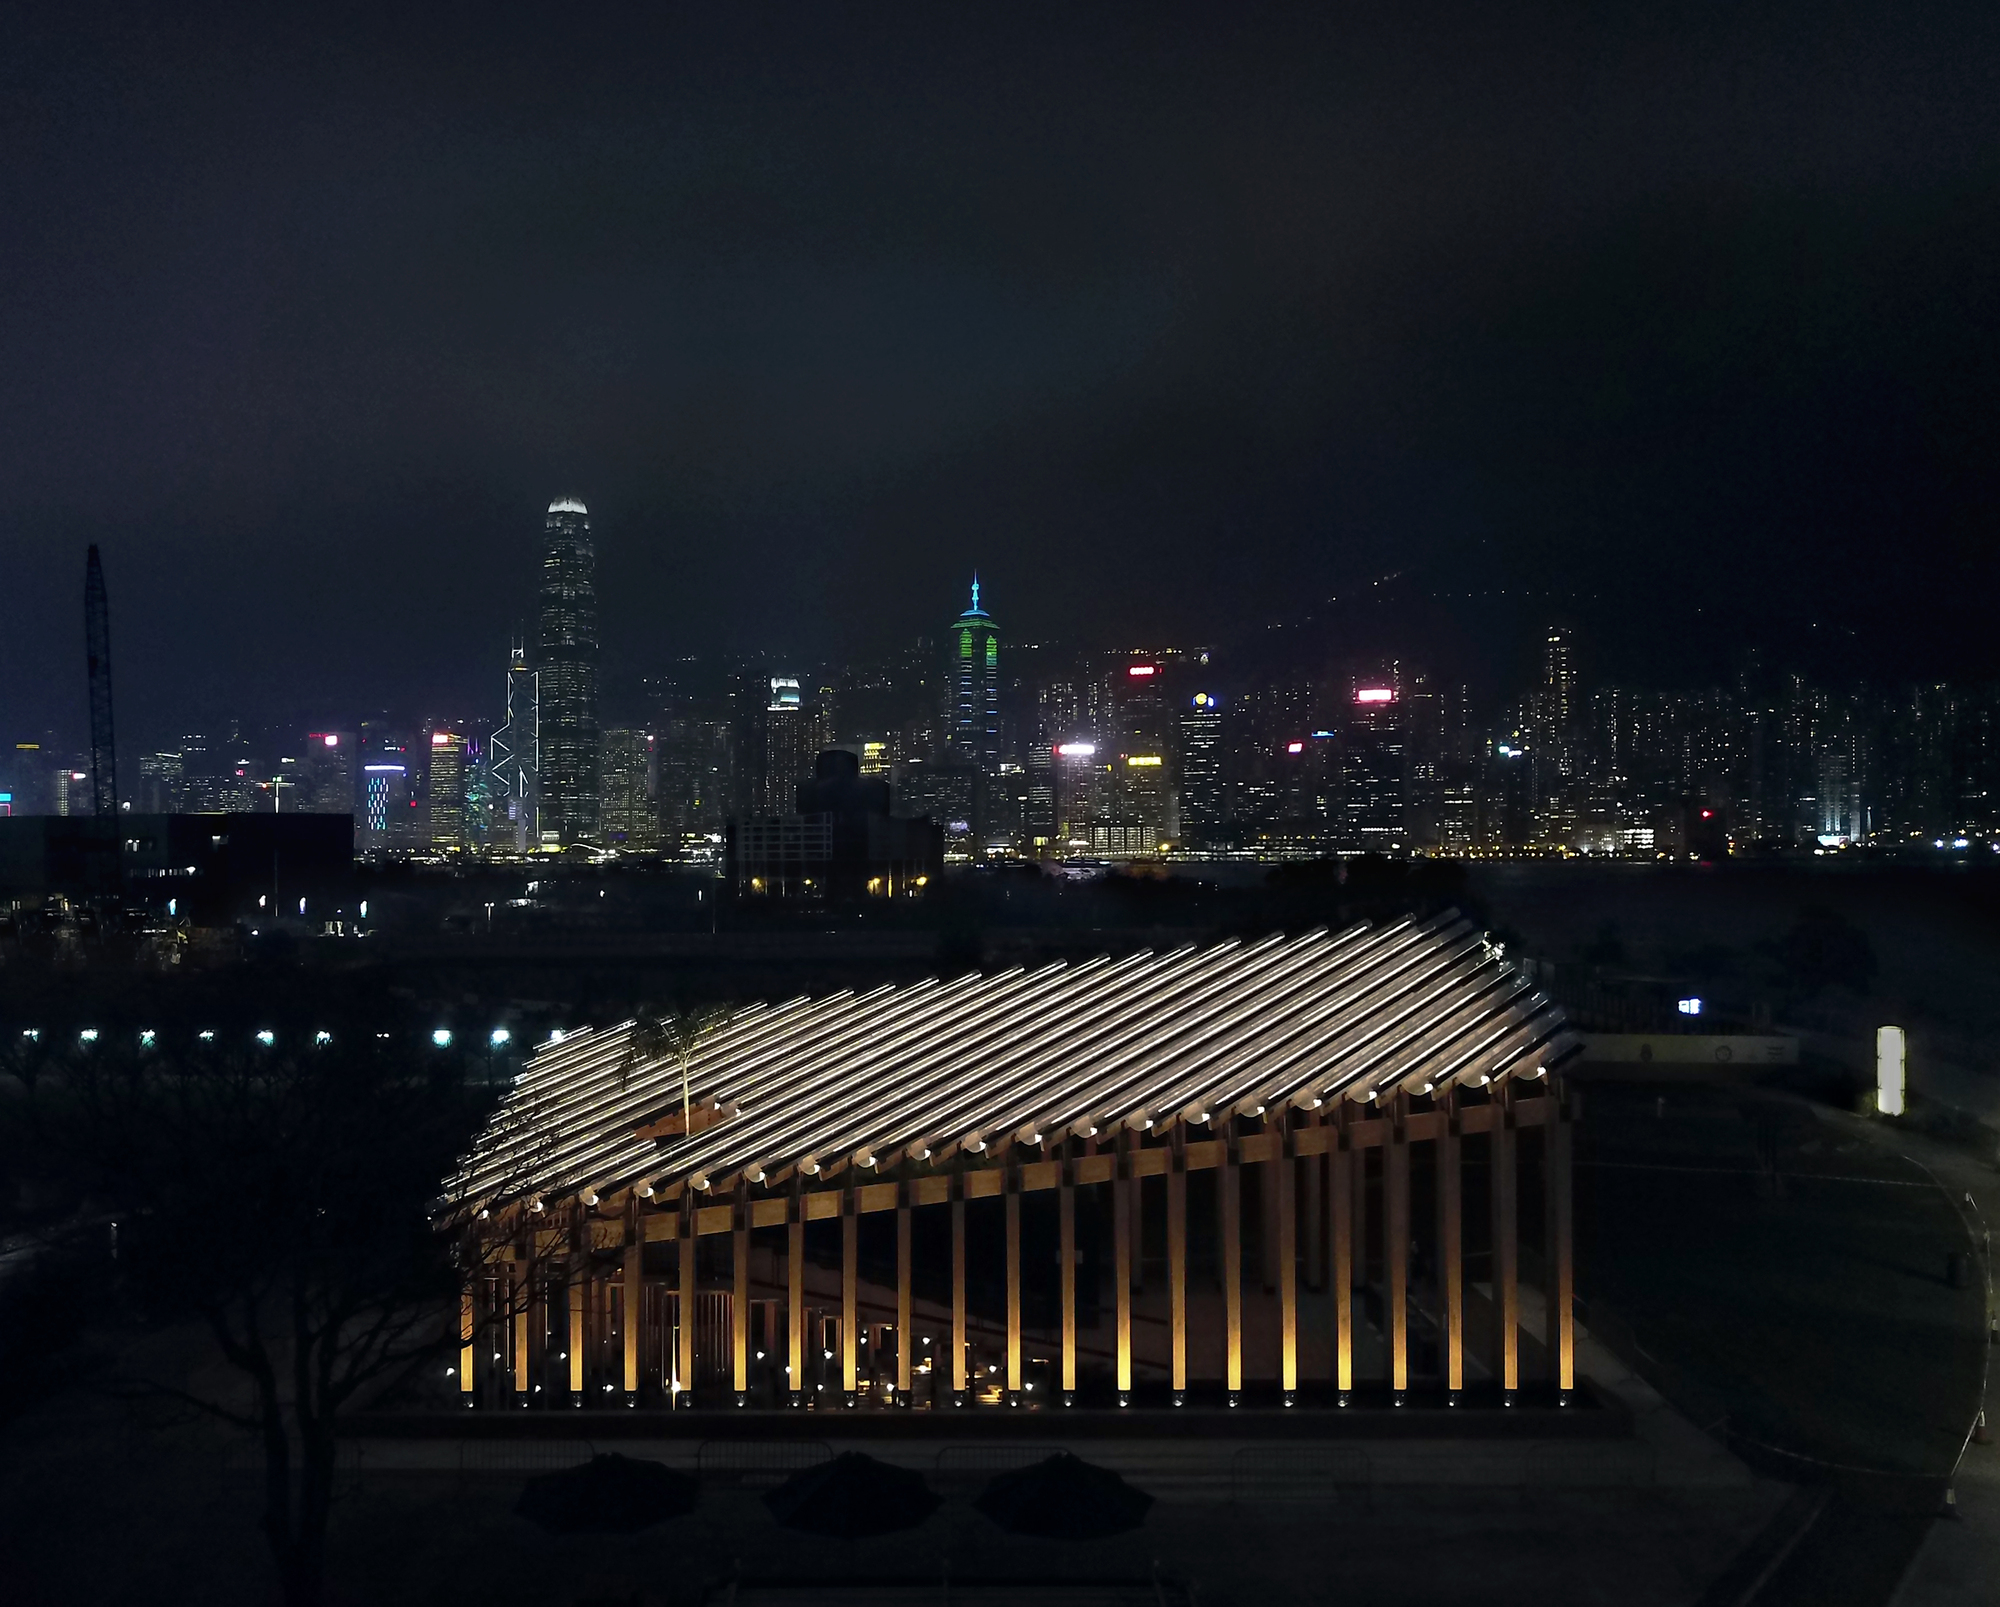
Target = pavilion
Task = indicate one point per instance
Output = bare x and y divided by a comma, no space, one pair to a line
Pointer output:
653,1225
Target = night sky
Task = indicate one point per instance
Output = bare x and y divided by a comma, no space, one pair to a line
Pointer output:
1682,316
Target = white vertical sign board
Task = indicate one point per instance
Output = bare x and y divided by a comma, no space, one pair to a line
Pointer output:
1889,1074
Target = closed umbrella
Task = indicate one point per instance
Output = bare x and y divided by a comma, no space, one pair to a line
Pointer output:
609,1494
1063,1498
851,1497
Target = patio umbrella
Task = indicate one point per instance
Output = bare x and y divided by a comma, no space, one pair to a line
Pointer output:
609,1494
1063,1498
852,1497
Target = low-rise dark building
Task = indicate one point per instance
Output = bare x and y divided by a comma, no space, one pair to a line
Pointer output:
843,843
211,869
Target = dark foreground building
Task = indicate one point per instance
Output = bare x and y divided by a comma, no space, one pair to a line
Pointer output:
211,870
1252,1172
842,844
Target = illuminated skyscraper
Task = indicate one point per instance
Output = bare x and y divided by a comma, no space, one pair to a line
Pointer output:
975,688
328,772
384,800
516,757
1201,764
1372,780
566,665
447,790
627,816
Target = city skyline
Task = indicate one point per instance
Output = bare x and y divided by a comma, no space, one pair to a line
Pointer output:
1172,365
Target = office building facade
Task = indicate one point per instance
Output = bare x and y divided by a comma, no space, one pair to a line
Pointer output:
566,667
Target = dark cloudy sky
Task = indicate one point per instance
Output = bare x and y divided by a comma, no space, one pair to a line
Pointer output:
1169,323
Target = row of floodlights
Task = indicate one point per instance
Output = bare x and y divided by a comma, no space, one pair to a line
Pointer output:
441,1037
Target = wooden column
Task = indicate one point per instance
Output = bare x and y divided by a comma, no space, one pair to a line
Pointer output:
1229,1182
634,1322
468,1342
579,1309
522,1301
1269,1229
1308,1178
1066,1209
684,1361
1282,1172
1177,1260
1340,1192
906,1339
959,1338
795,1296
850,1294
1561,1276
1363,1245
739,1302
1124,1223
1506,1245
1451,1243
1396,1246
1013,1202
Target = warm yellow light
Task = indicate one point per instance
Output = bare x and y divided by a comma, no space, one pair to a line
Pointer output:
1144,760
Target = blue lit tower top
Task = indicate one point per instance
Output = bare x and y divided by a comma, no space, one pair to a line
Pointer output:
975,686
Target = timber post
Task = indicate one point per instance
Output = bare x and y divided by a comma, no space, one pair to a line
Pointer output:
906,1339
1396,1247
1506,1247
1340,1194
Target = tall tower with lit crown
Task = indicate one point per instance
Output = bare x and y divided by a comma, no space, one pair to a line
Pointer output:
975,687
566,664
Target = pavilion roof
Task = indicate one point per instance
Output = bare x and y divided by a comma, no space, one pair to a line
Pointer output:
930,1070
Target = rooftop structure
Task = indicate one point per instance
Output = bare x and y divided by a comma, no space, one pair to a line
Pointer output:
1298,1053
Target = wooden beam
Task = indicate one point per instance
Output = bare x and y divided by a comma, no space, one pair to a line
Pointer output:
1451,1246
1282,1179
1396,1252
959,1339
906,1339
850,1299
1229,1184
1013,1290
1124,1223
1506,1247
1340,1193
1066,1250
795,1299
1561,1276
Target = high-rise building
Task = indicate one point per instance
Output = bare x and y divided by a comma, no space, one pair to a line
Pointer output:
73,796
447,791
328,772
1372,778
516,759
385,800
566,663
975,688
794,729
1201,764
159,783
626,815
